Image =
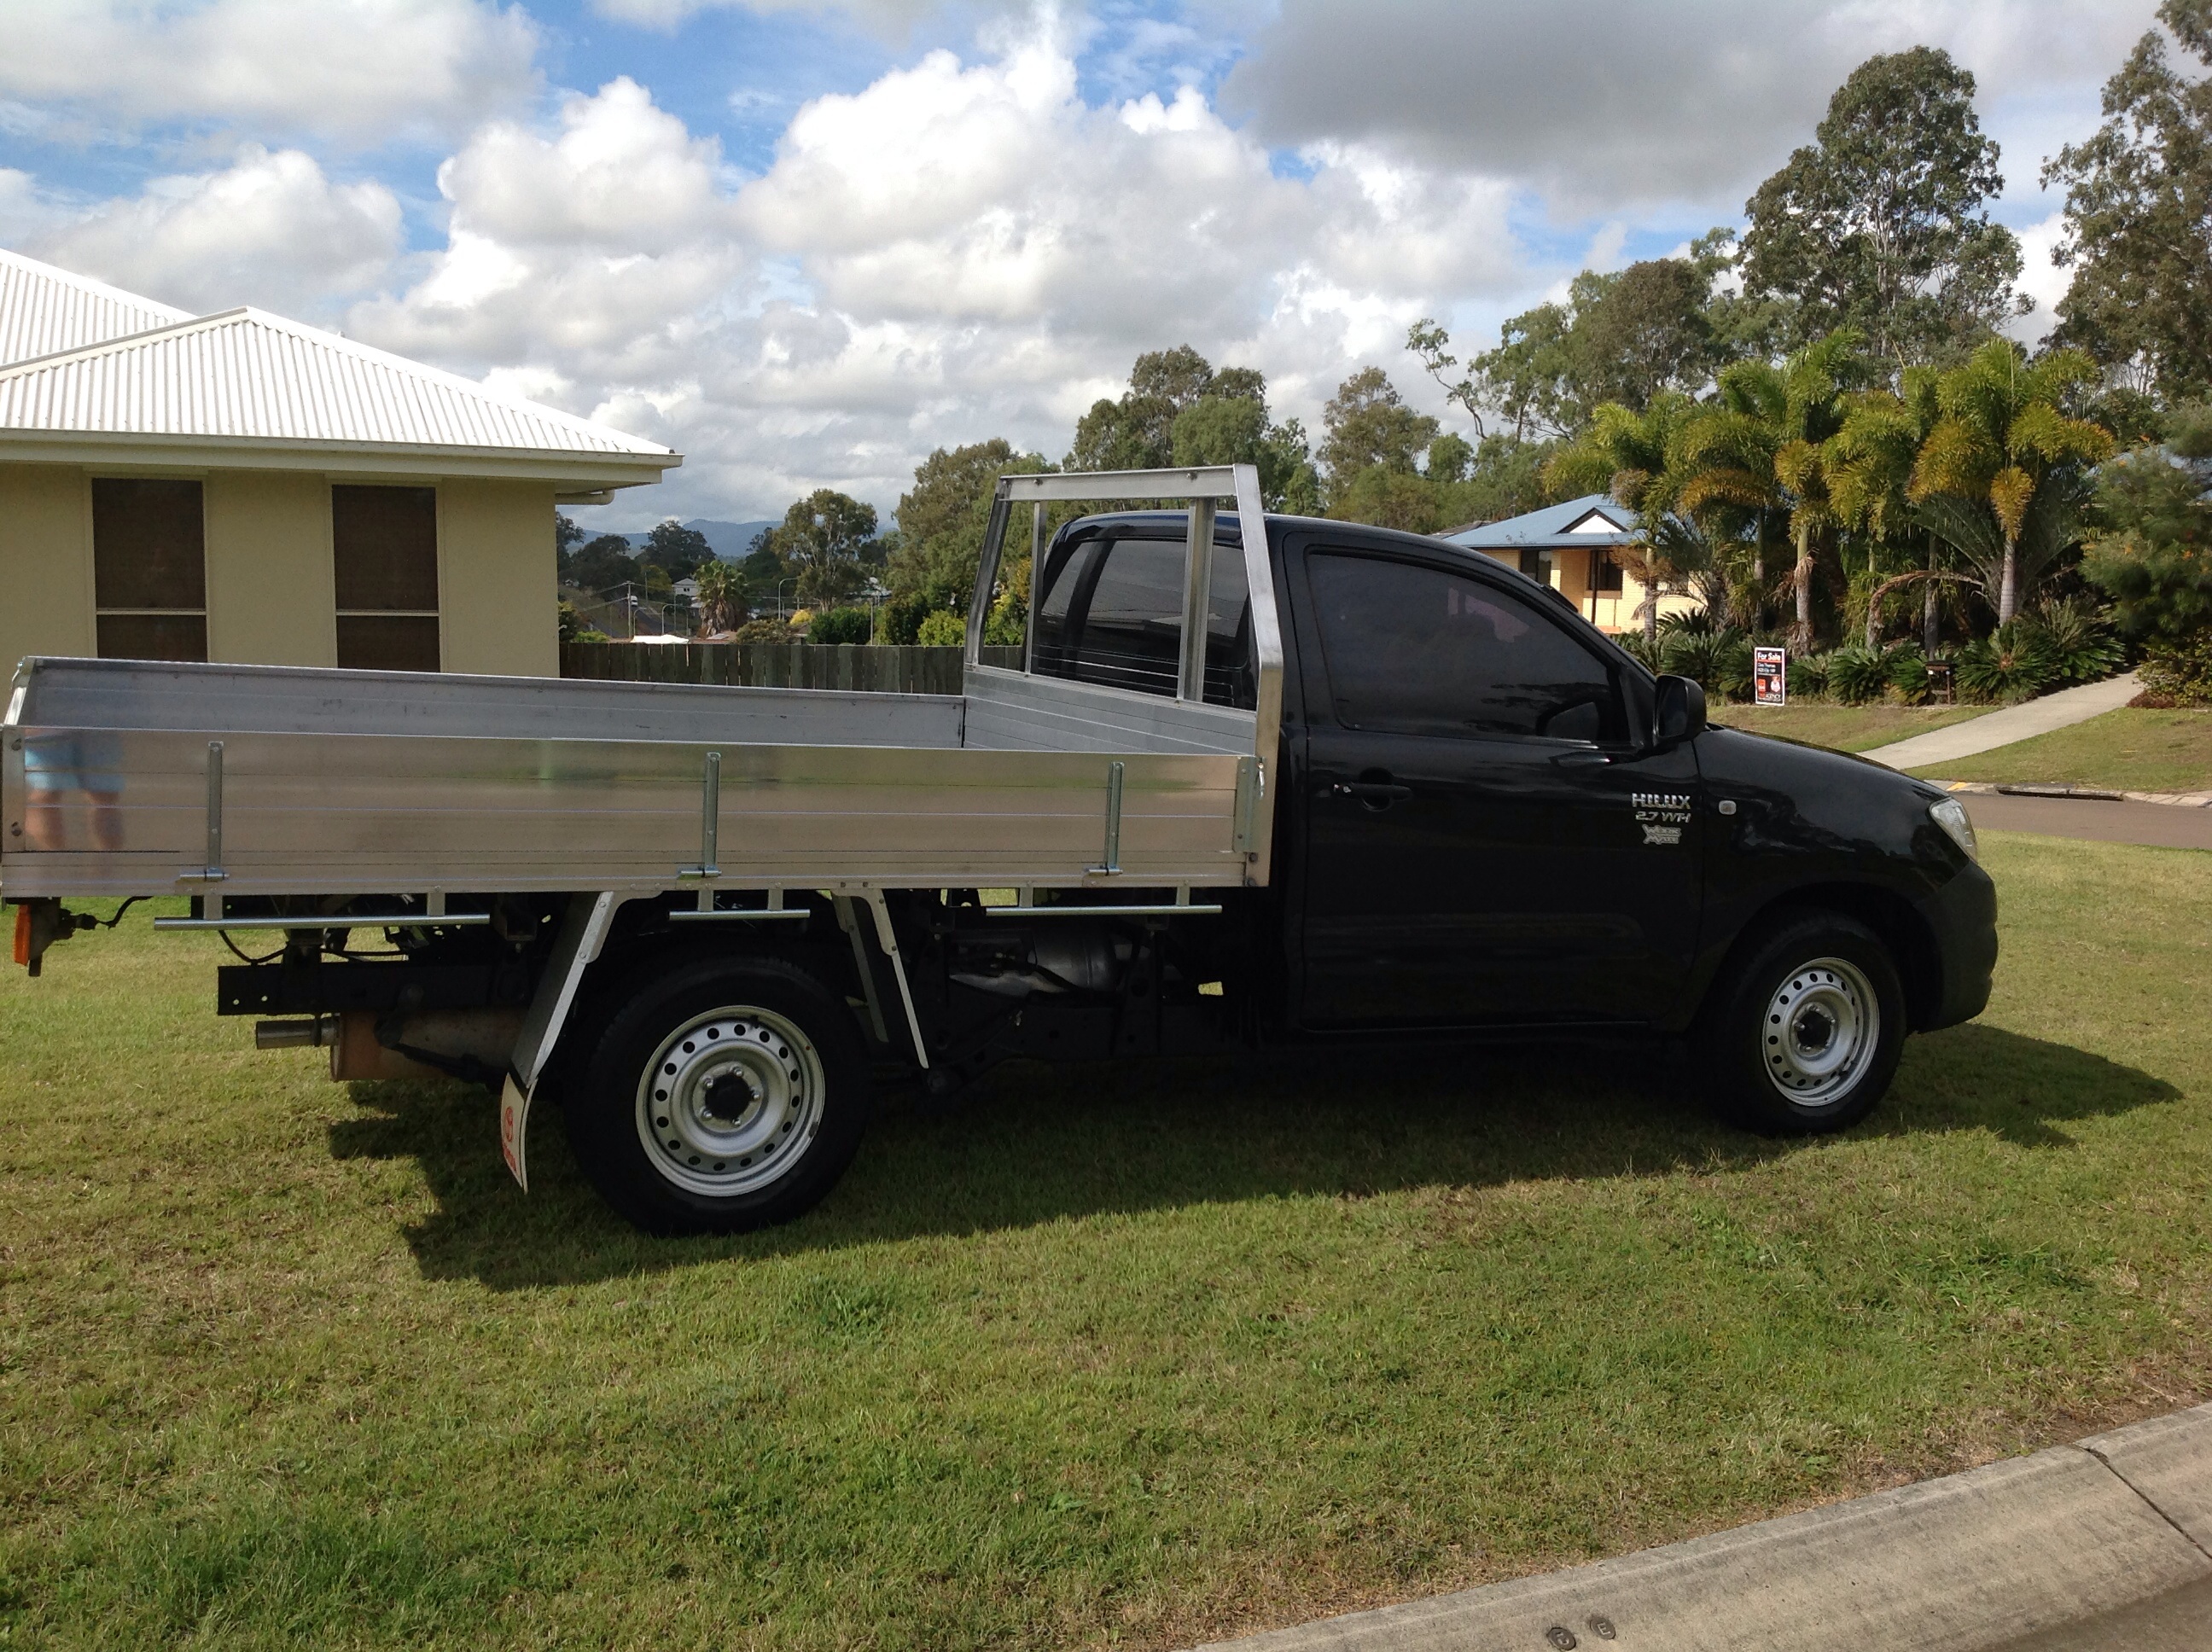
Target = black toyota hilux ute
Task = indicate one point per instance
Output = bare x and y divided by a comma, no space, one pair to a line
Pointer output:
1493,821
1347,785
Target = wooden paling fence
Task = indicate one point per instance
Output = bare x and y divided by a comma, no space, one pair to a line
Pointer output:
863,666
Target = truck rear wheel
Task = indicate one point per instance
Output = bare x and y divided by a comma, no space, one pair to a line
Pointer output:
1802,1034
724,1097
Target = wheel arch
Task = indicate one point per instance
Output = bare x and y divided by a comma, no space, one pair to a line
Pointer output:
631,962
1900,928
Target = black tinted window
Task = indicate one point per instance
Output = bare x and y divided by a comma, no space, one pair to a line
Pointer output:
1414,650
1110,612
1230,677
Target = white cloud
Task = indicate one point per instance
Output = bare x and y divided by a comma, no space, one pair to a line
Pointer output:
270,230
958,251
2040,279
621,174
607,239
885,16
1612,102
357,70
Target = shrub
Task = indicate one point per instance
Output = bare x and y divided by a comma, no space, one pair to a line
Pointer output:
2178,672
836,625
1007,623
764,630
2012,663
1698,621
899,620
1906,668
1732,666
1809,677
1687,652
942,630
2154,555
2082,647
1856,675
1644,650
587,635
1718,660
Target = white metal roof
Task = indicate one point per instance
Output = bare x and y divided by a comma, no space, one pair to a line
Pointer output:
44,310
248,377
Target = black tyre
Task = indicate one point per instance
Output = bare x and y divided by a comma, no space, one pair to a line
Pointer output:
1802,1034
725,1096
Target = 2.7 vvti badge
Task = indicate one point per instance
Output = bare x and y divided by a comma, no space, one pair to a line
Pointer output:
1662,815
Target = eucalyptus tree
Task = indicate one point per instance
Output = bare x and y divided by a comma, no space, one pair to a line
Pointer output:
2139,215
1882,222
2002,474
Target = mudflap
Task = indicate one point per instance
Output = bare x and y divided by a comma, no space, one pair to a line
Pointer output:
583,934
514,1131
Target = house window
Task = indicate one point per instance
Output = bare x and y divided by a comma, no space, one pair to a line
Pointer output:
148,568
1605,573
385,542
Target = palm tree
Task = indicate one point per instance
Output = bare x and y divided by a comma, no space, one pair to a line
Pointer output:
722,596
1870,463
1625,454
2001,473
1756,451
1721,468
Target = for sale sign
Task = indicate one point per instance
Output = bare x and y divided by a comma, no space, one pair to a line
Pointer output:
1770,677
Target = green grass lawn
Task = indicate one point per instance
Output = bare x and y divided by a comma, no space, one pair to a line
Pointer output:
2125,750
1132,1356
1844,728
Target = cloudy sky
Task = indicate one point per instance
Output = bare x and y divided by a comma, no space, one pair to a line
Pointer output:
805,242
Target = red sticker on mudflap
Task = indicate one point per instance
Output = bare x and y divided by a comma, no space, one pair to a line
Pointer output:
513,1123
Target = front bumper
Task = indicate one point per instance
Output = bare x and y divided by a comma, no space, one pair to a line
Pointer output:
1962,916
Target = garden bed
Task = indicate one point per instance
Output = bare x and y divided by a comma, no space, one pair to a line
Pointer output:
1138,1355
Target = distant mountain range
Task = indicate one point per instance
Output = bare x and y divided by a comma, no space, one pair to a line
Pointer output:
731,540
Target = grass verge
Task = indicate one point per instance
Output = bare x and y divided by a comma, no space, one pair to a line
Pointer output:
1844,728
1130,1357
2129,749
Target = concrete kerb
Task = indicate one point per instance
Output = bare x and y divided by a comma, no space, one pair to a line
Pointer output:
1963,1564
2086,793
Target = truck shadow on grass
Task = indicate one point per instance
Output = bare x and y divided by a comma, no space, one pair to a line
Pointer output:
1031,1144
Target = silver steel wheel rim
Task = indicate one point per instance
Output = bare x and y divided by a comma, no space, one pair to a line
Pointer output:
1820,1031
731,1101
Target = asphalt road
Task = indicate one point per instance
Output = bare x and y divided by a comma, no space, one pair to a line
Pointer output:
2164,825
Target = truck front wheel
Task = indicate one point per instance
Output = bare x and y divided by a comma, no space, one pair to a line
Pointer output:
1802,1034
726,1096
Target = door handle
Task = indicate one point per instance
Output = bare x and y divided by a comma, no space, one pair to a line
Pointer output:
1376,794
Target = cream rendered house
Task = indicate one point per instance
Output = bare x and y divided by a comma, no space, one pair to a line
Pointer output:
1572,547
239,487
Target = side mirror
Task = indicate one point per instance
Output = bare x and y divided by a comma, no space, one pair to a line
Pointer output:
1679,712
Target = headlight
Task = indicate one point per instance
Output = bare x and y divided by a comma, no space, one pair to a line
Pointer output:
1951,815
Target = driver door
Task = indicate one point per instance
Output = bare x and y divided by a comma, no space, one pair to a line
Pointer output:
1486,842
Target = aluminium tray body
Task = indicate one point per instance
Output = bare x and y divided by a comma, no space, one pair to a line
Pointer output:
336,782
